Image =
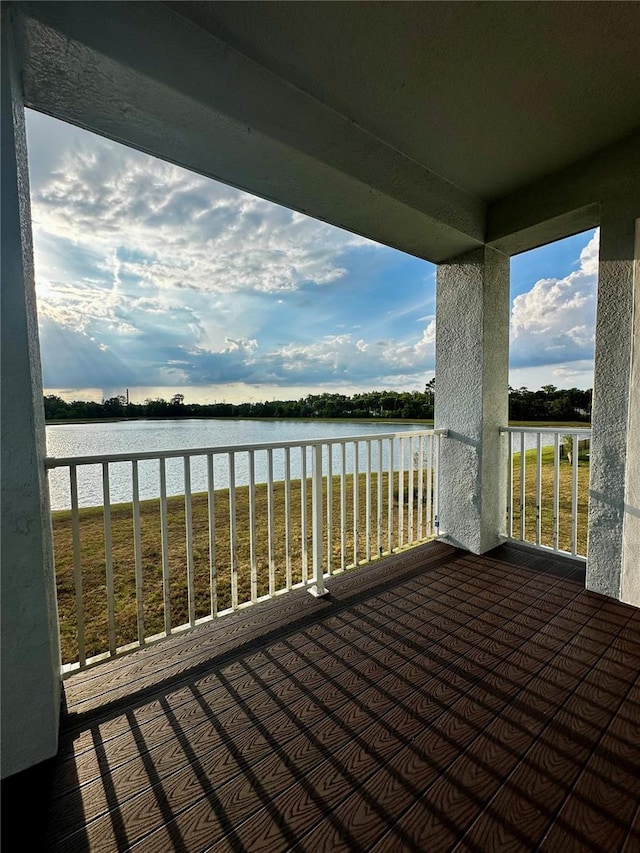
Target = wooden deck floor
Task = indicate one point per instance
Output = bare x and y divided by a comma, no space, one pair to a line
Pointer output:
435,701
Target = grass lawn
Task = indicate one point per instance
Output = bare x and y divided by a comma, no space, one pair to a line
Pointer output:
547,508
92,554
92,547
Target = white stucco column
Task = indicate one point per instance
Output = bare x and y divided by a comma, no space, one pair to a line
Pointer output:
613,565
472,398
30,646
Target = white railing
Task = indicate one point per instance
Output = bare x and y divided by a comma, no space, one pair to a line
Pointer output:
547,488
131,573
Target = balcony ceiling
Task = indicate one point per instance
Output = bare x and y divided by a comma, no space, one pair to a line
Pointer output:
418,124
490,96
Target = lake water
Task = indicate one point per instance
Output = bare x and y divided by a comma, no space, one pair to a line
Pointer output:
138,436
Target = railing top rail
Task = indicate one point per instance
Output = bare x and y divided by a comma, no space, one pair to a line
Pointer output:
586,431
60,462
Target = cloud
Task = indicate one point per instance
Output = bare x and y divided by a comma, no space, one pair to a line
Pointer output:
148,274
554,322
81,361
147,221
343,357
420,355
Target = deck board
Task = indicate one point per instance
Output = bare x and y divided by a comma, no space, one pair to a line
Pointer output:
434,701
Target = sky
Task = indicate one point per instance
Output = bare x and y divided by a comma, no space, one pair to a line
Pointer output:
157,280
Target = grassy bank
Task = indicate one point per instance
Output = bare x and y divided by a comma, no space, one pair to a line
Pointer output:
93,555
92,548
547,510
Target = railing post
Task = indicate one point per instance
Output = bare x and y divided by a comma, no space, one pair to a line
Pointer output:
318,589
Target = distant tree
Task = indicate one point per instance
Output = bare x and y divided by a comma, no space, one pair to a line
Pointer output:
55,407
157,408
115,407
548,403
177,409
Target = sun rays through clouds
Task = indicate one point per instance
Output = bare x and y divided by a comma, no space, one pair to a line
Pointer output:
151,276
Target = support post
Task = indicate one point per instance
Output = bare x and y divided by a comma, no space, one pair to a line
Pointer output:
613,555
471,400
31,688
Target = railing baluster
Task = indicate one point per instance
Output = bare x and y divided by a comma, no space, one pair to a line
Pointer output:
401,494
356,503
329,509
538,489
522,484
574,494
303,513
137,550
510,489
430,529
318,589
272,564
420,472
77,565
368,503
211,507
233,531
390,513
556,492
379,500
164,544
410,493
436,487
252,527
108,559
343,506
188,518
287,514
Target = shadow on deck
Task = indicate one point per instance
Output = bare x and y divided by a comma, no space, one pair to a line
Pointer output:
434,701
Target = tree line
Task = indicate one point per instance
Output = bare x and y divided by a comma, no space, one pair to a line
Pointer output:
548,403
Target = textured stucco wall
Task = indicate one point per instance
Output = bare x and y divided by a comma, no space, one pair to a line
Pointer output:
30,646
630,580
568,201
612,399
472,371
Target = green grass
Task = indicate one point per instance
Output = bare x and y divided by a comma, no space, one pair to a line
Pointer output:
92,550
547,510
92,555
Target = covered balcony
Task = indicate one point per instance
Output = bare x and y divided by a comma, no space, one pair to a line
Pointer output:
436,700
465,693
